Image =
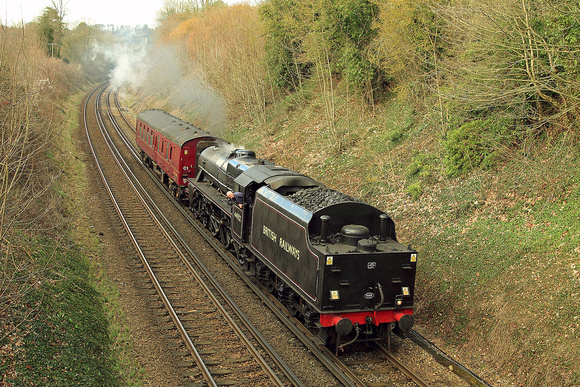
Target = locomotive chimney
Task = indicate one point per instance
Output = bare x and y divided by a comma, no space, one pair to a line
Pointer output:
324,228
383,227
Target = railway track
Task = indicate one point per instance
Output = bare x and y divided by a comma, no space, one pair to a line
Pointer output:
184,300
344,372
373,366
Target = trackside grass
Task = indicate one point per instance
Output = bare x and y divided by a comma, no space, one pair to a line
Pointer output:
68,328
65,337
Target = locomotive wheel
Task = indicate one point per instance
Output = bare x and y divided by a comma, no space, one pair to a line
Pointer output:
268,283
240,255
214,226
292,309
197,205
204,213
226,237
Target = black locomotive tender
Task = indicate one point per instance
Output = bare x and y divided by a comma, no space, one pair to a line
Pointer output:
332,260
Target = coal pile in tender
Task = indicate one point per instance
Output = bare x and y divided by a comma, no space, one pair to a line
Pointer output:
313,199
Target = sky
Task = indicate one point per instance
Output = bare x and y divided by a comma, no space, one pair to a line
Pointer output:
117,12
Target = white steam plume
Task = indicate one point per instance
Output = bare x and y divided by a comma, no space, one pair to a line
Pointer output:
165,74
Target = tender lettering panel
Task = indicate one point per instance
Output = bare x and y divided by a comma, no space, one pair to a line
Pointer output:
283,242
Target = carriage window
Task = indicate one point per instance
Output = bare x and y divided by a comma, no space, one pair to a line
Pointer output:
170,153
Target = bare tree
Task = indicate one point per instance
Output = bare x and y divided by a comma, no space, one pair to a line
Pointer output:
515,55
25,134
61,11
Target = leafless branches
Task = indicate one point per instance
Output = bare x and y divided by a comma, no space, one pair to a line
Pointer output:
26,134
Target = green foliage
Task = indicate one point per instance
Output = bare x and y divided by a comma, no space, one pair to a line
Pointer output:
51,29
279,46
415,190
522,56
408,43
559,28
558,24
423,165
286,25
396,135
78,43
350,23
475,144
67,341
333,33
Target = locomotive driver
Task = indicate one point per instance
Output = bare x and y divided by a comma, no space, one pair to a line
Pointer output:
238,197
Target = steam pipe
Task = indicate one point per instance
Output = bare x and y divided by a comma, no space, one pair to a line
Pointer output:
357,332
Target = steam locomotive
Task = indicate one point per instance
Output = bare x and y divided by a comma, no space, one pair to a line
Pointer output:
332,260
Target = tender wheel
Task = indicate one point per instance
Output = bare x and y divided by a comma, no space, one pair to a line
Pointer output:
240,255
292,309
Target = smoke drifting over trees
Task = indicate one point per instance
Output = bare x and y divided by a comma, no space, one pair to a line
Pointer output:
163,73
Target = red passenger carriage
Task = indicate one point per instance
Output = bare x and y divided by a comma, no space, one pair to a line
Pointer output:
169,146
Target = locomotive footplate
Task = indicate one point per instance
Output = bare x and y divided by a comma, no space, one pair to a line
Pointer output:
214,196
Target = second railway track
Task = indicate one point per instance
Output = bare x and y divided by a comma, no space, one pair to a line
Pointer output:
227,352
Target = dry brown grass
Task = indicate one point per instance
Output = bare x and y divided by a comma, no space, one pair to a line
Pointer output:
31,86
